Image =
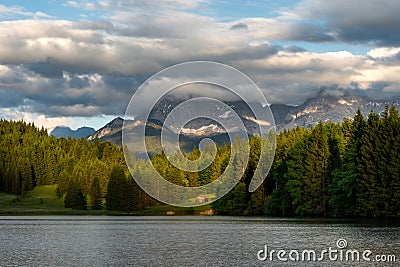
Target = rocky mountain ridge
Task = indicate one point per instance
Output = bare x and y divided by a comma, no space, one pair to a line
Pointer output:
63,131
323,107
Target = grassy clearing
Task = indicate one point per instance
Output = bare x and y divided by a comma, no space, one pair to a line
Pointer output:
8,201
43,201
43,197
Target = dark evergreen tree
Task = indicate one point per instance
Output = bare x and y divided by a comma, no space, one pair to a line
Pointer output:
345,181
370,201
96,202
115,199
74,197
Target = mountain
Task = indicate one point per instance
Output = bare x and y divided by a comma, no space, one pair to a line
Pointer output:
112,132
333,107
63,131
108,130
203,126
327,105
192,132
280,112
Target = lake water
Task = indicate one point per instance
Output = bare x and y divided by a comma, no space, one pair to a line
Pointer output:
189,241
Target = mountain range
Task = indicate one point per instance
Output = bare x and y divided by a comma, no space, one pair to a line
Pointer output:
332,106
63,131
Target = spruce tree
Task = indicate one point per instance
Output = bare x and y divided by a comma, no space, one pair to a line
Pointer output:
95,195
370,200
116,198
74,197
345,181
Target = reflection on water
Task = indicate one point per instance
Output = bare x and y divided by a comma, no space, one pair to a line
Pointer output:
180,241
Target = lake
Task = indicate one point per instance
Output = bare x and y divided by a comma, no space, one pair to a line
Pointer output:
193,241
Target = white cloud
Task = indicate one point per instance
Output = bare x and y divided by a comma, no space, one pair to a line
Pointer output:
41,15
72,4
39,120
14,10
384,52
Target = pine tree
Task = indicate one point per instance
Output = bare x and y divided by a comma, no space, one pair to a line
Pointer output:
345,181
394,161
316,163
95,195
118,191
388,157
74,197
369,199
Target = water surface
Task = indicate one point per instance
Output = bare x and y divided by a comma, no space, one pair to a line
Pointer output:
183,241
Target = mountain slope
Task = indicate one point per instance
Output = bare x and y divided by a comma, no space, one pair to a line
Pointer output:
335,108
108,130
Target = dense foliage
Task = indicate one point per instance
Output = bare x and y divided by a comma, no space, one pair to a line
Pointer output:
346,169
350,169
29,157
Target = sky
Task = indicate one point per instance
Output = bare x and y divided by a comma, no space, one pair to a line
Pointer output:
77,63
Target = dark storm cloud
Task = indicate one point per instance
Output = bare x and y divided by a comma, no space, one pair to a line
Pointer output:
295,49
248,53
65,95
10,98
358,21
79,82
101,25
393,60
309,33
46,69
379,90
239,26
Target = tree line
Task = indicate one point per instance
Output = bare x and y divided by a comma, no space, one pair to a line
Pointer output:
81,170
348,169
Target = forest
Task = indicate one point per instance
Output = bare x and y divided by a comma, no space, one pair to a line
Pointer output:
348,169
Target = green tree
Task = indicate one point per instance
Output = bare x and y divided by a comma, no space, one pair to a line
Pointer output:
96,202
345,178
121,193
116,197
370,201
74,197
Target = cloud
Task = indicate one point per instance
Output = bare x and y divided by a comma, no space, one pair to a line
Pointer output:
42,15
292,77
9,98
372,22
358,21
16,11
135,5
280,28
91,67
72,4
39,119
66,95
239,26
13,11
384,52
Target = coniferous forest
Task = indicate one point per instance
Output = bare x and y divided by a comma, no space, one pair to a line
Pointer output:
350,169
